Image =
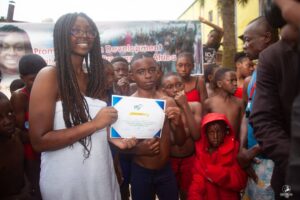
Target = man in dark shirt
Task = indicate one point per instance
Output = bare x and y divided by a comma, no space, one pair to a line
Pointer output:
290,12
277,85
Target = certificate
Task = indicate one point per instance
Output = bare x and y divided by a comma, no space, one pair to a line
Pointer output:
138,117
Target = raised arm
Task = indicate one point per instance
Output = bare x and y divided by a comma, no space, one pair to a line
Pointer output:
214,26
44,96
173,114
192,126
202,88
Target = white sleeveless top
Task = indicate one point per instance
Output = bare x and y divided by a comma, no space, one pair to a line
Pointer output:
67,175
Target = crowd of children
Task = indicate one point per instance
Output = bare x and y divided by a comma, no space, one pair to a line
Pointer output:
207,149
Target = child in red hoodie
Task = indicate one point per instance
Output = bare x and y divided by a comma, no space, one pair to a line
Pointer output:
217,175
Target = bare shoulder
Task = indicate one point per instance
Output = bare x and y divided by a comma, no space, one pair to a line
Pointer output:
47,72
18,95
46,82
207,105
209,100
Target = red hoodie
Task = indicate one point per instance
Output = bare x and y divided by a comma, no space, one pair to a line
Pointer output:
217,176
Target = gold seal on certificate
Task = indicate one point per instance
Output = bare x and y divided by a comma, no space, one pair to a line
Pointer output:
137,117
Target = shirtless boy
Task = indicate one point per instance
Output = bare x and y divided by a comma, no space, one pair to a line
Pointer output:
12,181
224,101
121,70
182,157
29,66
152,175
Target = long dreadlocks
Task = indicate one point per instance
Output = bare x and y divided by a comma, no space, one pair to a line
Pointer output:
75,108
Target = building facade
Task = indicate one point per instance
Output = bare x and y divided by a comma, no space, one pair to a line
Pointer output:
244,14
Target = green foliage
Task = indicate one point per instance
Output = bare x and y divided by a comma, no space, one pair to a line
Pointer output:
243,2
202,3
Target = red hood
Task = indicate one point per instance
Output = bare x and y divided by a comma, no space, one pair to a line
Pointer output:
210,117
218,173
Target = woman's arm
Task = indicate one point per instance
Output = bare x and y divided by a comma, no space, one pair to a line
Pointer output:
42,104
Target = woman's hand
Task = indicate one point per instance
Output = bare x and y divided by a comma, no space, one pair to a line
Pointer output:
105,117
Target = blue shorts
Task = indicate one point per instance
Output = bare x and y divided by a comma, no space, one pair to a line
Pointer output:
145,183
125,163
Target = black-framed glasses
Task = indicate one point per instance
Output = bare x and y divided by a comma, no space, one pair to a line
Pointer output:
80,33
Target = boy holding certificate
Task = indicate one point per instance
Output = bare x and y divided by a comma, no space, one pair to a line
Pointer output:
152,174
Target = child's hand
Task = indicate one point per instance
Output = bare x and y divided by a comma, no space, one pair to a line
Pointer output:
149,147
251,173
124,143
105,117
123,85
245,158
202,19
123,81
173,114
180,99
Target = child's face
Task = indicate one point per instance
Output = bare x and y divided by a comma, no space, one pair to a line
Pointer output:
28,80
172,85
145,73
184,66
216,132
229,82
121,70
7,119
213,38
246,67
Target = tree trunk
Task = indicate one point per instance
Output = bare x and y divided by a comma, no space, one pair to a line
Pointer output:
229,39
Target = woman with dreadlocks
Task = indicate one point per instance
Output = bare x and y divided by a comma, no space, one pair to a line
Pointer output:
68,119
